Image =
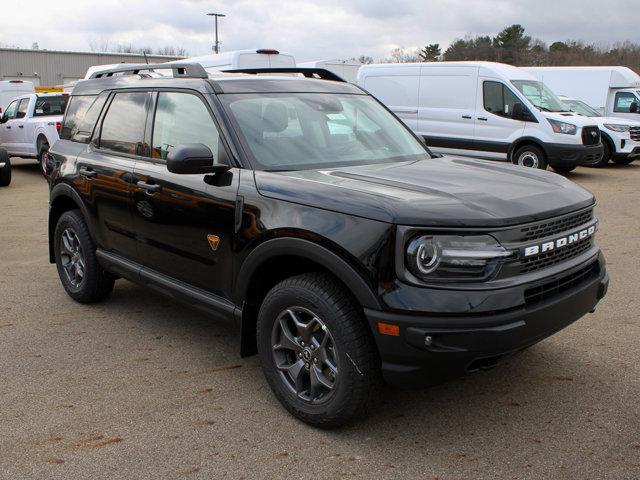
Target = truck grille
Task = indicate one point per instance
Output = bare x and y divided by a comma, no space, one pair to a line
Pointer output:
551,227
590,135
551,289
547,259
635,134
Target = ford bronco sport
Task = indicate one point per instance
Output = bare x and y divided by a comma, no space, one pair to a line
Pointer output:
305,210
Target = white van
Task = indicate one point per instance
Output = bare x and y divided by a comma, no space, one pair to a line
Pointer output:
241,59
620,137
486,110
614,91
11,89
346,69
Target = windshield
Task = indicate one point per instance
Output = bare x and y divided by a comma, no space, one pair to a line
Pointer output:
295,131
582,108
540,95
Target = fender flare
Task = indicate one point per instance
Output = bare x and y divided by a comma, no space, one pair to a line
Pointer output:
64,190
606,137
311,251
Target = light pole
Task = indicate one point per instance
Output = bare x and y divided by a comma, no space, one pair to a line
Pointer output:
216,45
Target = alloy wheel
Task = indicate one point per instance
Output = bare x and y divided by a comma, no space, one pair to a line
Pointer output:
72,258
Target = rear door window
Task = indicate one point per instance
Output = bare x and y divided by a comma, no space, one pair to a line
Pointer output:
124,123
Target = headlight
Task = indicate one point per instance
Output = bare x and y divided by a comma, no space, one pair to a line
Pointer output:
616,128
449,258
563,127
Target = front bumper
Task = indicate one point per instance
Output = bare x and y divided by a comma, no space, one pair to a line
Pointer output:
568,155
461,344
628,153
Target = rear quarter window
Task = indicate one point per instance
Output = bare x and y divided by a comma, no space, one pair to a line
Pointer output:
82,113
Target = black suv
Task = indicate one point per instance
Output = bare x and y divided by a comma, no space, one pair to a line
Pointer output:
306,211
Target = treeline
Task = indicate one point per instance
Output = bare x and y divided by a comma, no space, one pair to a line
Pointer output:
513,46
105,46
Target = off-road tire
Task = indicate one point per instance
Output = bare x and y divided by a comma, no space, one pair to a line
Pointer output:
96,283
358,363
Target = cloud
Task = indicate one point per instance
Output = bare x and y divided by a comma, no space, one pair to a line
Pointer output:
308,29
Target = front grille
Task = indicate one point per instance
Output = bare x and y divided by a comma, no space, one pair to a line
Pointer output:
590,135
552,227
635,134
554,257
551,289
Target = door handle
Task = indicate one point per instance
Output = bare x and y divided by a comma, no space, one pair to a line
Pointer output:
87,172
8,127
404,110
483,119
20,126
468,117
149,187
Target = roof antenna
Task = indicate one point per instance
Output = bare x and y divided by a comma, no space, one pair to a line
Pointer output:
145,57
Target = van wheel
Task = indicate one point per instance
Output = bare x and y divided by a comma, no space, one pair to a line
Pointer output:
606,156
317,351
5,168
530,156
82,276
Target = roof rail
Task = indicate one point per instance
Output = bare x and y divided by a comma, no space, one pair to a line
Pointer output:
184,70
320,73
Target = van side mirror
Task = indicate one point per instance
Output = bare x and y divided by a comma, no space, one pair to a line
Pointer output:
520,113
633,108
193,158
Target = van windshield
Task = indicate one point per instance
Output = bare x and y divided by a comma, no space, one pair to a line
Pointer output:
297,131
540,95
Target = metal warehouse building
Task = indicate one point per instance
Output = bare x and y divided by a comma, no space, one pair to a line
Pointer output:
51,68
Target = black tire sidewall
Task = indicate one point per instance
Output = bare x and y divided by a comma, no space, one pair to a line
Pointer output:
542,158
5,172
352,367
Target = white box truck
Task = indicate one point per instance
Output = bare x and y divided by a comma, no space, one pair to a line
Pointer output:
614,91
487,110
242,59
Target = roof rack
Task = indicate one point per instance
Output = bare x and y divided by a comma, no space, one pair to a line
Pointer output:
321,73
184,70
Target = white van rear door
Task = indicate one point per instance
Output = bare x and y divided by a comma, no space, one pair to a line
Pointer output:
398,90
446,114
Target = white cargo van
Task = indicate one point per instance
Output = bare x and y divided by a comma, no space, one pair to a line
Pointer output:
620,137
346,69
242,59
614,91
486,110
11,89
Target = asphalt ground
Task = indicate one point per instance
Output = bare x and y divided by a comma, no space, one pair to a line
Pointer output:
140,387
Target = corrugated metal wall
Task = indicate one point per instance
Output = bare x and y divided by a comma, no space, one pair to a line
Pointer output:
49,68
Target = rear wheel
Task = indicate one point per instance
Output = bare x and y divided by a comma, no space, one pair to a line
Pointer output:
5,168
606,156
82,276
530,156
317,351
43,151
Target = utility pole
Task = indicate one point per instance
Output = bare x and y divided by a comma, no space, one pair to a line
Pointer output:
216,45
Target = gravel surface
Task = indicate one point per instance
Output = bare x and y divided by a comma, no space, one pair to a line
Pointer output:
140,387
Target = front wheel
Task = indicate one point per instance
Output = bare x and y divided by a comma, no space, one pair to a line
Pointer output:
317,352
530,156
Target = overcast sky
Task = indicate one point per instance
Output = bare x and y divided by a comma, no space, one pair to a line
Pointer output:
311,30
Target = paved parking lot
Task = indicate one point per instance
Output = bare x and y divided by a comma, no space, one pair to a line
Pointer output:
139,387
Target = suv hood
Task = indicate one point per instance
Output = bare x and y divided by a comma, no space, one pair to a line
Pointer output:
449,191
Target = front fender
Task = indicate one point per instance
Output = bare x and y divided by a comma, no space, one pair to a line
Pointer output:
311,251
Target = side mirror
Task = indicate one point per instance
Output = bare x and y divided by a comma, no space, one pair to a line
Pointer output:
193,158
633,108
4,119
519,112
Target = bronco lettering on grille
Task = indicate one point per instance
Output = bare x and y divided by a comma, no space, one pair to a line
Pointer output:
559,242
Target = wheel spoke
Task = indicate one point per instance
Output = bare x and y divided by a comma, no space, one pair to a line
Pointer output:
287,340
67,242
304,329
296,373
318,379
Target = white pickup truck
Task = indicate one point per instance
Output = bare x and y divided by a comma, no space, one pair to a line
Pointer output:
32,123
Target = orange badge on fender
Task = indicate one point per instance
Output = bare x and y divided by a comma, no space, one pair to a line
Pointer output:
214,241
